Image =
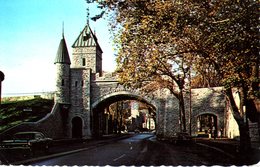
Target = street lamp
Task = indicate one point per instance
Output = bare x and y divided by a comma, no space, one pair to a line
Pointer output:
2,77
190,98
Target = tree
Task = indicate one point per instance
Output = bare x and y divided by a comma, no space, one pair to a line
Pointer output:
205,74
233,42
147,55
159,40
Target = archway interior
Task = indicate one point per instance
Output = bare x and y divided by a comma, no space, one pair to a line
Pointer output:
123,113
207,125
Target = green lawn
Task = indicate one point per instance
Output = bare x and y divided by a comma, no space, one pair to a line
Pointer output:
14,113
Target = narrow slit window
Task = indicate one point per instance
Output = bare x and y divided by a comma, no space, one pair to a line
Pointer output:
76,83
62,82
82,83
83,62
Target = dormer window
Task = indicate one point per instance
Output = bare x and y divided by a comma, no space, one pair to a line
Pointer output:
86,37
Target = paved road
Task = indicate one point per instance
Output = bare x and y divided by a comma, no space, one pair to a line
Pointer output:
141,149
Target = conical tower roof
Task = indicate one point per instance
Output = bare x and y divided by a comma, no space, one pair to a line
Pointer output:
86,39
62,55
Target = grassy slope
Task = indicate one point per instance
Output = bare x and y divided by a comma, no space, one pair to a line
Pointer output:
13,113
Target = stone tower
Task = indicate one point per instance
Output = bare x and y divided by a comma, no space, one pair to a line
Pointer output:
62,63
86,51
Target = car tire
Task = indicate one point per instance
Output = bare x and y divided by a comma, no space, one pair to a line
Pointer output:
32,152
46,148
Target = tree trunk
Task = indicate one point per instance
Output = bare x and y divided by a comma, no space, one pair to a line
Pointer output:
258,127
182,111
245,142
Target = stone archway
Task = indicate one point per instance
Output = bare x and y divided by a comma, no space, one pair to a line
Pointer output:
101,118
207,125
77,127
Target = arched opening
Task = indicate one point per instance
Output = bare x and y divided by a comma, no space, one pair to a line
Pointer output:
76,127
207,125
122,113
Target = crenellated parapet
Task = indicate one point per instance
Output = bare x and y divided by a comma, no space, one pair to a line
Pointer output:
106,76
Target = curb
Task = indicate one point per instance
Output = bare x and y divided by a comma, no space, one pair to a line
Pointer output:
217,149
96,144
51,156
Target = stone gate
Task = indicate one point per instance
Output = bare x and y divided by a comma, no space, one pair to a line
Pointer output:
83,91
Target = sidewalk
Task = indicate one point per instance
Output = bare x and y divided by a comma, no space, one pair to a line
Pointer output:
230,147
254,145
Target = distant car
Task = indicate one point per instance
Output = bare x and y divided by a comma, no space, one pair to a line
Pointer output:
27,140
137,131
182,137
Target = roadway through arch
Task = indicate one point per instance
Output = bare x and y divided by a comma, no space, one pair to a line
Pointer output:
111,113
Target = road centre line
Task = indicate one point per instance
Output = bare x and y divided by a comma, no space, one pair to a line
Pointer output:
123,155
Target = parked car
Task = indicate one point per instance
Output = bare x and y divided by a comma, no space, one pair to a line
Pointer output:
27,140
137,131
182,137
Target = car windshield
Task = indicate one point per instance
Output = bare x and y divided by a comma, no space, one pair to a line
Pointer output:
24,136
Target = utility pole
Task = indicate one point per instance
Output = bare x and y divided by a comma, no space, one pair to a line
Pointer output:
2,77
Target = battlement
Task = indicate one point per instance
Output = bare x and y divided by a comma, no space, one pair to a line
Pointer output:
106,76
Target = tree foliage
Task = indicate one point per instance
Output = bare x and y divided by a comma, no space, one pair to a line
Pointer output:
147,53
159,41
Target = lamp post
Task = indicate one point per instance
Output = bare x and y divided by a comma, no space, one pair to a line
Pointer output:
2,77
190,98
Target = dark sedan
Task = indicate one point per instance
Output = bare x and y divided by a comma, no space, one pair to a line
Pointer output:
27,140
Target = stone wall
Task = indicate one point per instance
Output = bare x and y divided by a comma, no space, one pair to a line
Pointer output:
204,101
167,119
51,125
253,131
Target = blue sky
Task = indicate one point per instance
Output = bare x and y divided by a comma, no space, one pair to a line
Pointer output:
30,32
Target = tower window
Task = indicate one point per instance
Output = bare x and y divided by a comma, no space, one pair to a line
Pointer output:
76,83
86,37
83,62
82,83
